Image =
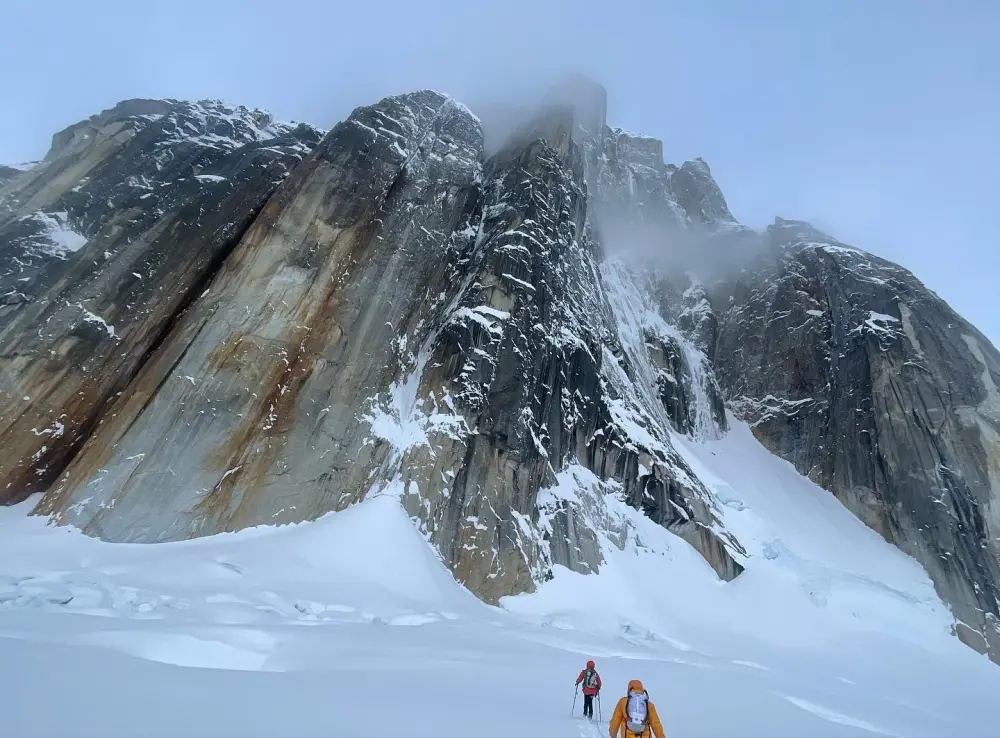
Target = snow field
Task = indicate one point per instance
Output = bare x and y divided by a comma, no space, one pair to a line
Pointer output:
321,628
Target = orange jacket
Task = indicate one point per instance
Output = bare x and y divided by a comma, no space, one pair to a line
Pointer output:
618,719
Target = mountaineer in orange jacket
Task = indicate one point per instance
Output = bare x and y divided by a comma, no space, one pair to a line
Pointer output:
634,715
591,686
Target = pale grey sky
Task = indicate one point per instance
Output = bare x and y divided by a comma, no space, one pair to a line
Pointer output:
878,120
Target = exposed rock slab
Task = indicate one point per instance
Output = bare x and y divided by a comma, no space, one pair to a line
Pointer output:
423,323
850,368
102,244
208,343
250,413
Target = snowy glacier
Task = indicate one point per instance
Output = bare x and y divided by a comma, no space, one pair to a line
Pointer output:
352,623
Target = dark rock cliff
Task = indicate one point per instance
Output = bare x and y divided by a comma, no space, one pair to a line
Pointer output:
850,368
251,412
212,321
404,317
101,245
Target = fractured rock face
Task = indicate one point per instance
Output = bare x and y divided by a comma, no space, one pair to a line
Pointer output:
518,383
103,244
846,365
422,323
699,195
250,412
196,340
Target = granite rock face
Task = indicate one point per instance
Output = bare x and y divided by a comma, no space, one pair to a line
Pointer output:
406,317
528,375
213,321
250,412
850,368
102,245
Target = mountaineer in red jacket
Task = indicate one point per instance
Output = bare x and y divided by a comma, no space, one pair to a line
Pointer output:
591,681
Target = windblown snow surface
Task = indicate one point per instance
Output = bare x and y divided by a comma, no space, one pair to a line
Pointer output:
352,626
319,628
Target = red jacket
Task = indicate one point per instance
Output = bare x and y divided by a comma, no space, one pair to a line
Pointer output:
589,690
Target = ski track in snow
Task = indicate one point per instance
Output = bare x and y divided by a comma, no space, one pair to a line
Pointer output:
835,717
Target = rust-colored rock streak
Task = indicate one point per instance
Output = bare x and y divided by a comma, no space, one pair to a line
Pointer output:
94,275
253,411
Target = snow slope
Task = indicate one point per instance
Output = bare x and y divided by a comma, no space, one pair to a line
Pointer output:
318,629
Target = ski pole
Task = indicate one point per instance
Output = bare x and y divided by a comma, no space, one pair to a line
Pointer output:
576,691
600,717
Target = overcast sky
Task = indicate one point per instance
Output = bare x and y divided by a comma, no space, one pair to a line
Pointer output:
878,120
